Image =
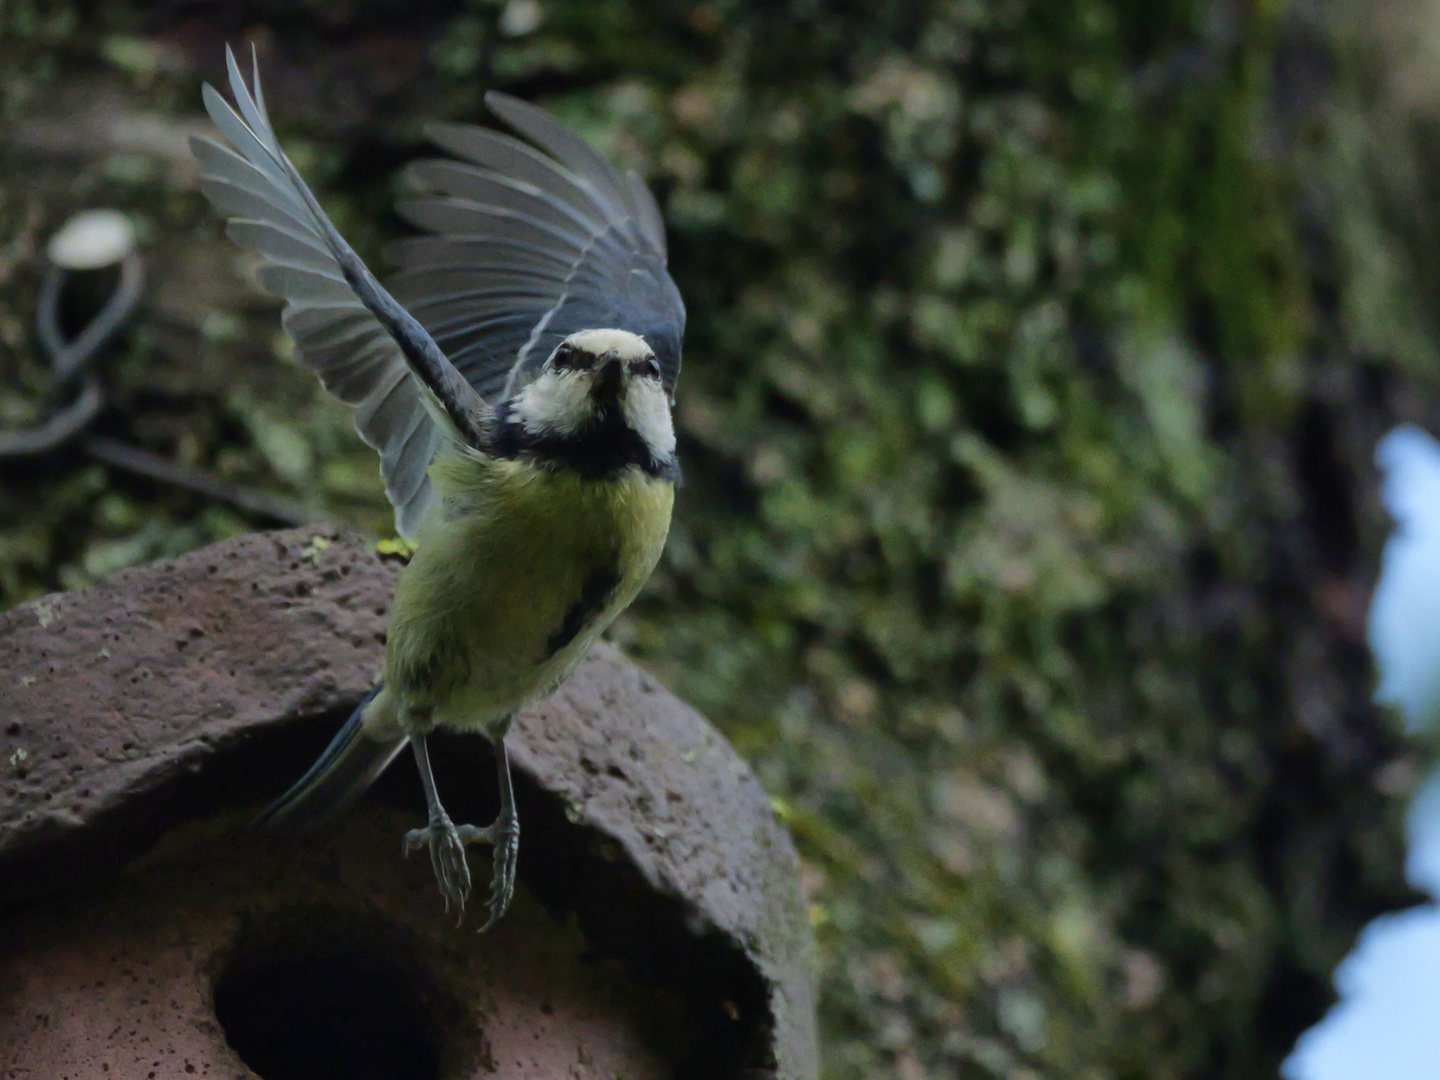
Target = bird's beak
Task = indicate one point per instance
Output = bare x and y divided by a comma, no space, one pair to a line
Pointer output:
609,376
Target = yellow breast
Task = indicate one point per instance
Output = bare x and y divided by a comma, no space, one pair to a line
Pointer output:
517,571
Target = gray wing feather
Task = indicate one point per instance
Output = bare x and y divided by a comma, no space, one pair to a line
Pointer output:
524,199
507,156
532,243
346,328
566,147
652,225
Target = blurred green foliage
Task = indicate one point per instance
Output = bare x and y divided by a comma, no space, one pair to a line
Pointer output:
1024,448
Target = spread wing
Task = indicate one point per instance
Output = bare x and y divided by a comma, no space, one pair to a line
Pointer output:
366,348
530,244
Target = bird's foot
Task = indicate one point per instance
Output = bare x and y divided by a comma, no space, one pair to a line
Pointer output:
446,842
504,833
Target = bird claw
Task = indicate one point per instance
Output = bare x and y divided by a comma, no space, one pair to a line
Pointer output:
504,834
447,857
447,842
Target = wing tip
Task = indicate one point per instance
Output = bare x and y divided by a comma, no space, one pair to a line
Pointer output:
497,100
433,129
527,118
209,94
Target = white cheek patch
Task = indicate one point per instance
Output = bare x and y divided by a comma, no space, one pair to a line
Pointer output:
555,403
647,412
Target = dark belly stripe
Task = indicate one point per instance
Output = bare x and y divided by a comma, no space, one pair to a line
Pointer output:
594,595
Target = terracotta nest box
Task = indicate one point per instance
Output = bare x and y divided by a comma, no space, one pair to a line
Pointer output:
146,933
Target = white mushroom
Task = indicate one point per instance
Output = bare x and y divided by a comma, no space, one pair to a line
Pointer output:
92,239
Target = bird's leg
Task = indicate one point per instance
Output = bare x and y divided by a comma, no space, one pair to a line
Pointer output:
503,832
446,843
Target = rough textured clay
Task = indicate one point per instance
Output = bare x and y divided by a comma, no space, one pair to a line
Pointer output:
169,699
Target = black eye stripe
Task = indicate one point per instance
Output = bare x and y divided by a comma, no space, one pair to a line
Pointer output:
568,357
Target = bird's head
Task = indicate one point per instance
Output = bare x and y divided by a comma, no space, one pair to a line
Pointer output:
597,388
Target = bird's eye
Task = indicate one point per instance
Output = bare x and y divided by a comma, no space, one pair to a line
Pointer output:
649,366
566,357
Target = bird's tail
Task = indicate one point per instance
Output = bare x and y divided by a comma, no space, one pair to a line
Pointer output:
350,764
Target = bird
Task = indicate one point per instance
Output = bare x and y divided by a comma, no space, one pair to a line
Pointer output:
517,378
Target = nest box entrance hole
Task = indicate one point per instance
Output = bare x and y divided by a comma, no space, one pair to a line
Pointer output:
316,995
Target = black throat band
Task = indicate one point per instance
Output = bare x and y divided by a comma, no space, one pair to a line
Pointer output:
600,449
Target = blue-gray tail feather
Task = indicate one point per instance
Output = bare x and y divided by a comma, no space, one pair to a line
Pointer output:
350,764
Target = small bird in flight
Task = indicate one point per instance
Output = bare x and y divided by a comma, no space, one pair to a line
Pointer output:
516,380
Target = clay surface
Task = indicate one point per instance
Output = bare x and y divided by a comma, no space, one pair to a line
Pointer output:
119,984
186,688
106,692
